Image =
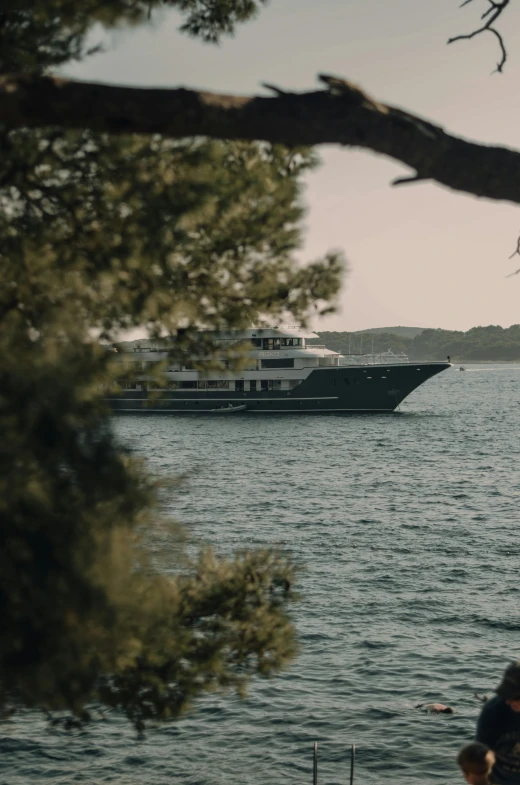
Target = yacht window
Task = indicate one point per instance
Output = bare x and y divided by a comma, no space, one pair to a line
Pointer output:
256,341
189,385
271,343
275,384
264,385
218,384
202,385
282,363
239,385
252,385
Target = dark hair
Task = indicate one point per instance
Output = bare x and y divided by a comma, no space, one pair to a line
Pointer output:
509,687
476,758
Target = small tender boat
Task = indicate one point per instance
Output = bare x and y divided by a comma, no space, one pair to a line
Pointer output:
229,408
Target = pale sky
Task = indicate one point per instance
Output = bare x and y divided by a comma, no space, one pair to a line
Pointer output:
420,255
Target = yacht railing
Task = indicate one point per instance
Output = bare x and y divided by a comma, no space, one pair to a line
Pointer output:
384,358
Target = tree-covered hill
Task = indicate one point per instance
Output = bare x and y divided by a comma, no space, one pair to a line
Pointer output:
490,343
402,332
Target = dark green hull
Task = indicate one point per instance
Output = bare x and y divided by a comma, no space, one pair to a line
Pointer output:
368,388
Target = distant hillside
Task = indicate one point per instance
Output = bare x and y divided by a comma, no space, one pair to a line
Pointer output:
479,344
402,332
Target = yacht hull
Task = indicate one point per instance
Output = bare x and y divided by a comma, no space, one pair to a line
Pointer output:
370,388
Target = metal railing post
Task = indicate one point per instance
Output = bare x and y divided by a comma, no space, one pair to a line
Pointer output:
352,761
315,765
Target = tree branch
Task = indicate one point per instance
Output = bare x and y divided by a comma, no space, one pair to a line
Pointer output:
515,252
496,8
341,114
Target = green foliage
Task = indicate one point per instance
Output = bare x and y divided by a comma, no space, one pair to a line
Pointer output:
99,234
224,622
478,344
210,20
84,616
195,233
40,34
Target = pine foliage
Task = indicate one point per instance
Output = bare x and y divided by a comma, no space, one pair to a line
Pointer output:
99,234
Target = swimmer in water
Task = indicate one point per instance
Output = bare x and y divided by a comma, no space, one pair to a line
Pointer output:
435,708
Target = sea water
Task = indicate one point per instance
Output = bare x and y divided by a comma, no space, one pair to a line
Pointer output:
406,527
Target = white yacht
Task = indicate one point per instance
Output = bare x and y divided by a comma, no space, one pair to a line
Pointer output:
283,373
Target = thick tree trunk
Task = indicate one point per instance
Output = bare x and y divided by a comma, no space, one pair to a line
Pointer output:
340,114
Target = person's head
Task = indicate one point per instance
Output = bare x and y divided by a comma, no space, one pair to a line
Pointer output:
509,687
476,761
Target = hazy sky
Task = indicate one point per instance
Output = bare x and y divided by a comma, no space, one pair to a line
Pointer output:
420,255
